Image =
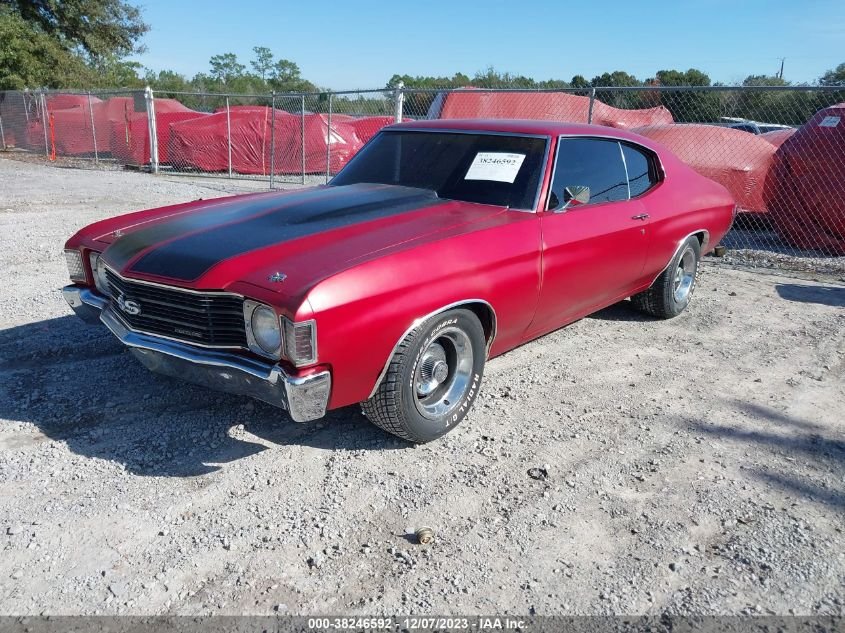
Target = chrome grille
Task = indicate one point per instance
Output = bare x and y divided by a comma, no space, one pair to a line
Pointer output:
211,319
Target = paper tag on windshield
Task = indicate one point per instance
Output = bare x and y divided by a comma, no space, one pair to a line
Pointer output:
829,121
496,166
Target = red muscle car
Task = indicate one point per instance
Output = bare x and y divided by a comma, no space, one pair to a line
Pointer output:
441,244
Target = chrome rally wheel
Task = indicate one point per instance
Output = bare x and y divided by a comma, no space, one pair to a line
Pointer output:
685,275
443,373
671,292
432,378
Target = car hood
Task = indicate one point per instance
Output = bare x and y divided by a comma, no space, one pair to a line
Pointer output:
299,237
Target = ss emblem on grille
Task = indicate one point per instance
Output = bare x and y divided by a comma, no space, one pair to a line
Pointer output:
128,305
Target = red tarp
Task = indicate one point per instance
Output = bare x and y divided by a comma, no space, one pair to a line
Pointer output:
367,127
777,137
342,139
202,143
73,125
130,140
737,160
806,187
555,106
65,102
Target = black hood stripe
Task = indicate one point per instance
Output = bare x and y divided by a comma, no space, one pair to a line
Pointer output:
186,248
217,213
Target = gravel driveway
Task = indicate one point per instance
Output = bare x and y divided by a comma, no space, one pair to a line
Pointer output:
693,466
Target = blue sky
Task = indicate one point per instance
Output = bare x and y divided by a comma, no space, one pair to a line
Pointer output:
362,43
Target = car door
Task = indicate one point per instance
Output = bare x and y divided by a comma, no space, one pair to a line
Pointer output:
593,252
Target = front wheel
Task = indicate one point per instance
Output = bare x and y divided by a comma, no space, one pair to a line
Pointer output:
432,379
671,292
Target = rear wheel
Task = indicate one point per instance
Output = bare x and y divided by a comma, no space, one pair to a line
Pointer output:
670,294
432,379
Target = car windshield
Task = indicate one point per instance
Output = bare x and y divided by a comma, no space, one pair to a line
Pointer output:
471,166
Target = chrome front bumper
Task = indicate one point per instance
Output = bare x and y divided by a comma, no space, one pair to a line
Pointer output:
305,398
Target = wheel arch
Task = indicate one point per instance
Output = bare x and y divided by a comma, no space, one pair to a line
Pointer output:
481,308
703,237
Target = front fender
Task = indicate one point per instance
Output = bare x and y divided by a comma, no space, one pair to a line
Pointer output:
364,312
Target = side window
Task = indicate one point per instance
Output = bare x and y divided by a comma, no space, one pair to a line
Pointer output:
595,163
642,170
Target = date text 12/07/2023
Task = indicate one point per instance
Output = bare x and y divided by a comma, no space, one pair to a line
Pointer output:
411,623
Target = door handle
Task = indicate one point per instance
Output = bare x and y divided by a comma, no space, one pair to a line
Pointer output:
641,216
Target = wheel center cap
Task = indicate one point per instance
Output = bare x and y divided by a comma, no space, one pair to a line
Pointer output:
440,371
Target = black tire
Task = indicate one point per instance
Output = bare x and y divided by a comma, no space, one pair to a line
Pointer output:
666,298
398,406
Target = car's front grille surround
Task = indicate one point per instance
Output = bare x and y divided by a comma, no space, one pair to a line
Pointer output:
210,319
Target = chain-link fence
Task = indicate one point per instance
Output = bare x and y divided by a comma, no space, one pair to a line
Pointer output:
779,150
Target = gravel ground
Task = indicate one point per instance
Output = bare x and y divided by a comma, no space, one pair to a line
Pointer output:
695,466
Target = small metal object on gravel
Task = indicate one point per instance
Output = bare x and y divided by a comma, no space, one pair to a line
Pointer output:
541,474
424,535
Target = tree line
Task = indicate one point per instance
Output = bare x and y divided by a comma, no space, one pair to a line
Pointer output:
85,44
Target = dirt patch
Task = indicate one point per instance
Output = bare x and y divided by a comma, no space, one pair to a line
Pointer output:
693,466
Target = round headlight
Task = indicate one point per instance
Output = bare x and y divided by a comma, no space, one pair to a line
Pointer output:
265,329
99,271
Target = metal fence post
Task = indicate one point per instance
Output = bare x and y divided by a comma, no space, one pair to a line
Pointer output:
153,128
302,139
592,100
398,102
44,124
329,141
2,134
229,135
93,131
272,137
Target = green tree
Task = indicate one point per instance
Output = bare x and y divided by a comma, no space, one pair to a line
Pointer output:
31,58
618,78
114,72
691,77
832,79
285,76
263,61
617,98
580,82
835,77
688,106
67,44
167,81
225,67
786,107
99,28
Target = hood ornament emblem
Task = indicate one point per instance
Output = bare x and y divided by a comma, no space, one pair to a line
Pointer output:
277,277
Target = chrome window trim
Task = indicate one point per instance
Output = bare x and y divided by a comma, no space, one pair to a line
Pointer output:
648,153
625,166
620,141
546,151
423,319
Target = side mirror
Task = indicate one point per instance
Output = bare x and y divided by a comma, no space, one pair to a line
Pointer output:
575,195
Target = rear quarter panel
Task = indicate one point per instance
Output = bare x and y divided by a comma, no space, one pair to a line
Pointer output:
685,202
